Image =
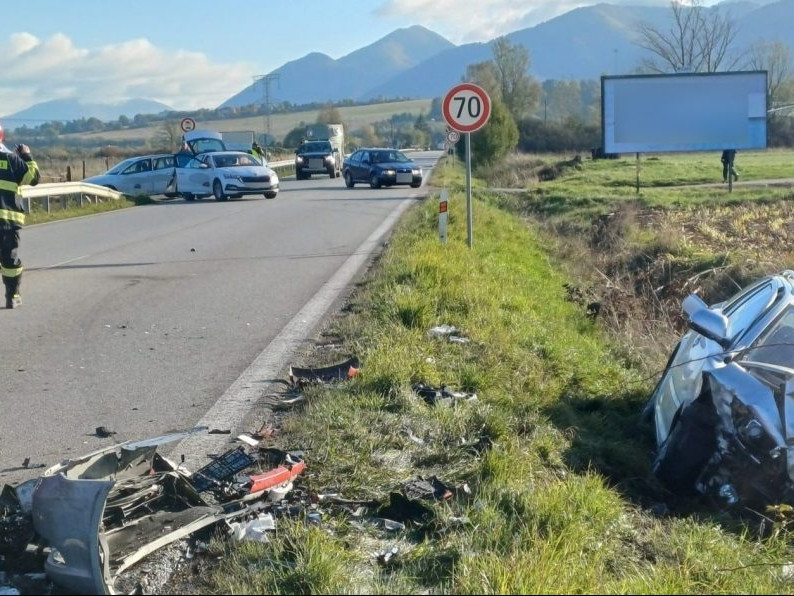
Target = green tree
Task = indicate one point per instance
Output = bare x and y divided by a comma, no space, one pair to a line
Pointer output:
329,115
296,136
496,139
519,91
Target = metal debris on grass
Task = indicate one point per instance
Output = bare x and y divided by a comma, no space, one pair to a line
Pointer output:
88,520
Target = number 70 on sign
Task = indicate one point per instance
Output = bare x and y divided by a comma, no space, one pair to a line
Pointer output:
466,107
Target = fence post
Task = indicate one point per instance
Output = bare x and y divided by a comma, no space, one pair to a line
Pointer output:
68,173
107,165
83,178
48,203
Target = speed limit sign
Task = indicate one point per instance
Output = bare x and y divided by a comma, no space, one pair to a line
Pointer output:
453,136
466,107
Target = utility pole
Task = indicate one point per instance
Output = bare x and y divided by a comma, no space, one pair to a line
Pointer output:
265,80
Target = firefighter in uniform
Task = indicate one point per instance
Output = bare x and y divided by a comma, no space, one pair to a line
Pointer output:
16,168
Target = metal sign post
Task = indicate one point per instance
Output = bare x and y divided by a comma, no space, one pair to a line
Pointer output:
469,216
466,108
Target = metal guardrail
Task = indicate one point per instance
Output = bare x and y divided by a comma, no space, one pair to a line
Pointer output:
83,192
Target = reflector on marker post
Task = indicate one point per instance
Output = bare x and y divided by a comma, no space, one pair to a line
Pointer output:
443,216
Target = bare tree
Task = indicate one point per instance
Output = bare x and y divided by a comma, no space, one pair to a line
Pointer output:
168,136
699,40
775,58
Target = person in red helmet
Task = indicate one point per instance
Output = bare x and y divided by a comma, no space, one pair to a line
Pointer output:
16,168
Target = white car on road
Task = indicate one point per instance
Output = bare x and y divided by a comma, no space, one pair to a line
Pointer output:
223,174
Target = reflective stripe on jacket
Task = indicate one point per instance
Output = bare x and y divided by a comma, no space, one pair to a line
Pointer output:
14,172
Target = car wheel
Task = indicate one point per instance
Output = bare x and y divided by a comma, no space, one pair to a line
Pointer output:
331,174
374,181
298,175
217,191
349,180
271,195
188,196
416,185
338,173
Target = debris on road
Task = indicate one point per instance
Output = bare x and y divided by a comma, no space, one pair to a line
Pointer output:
103,432
88,520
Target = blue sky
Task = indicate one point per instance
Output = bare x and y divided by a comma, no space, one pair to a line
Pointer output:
197,53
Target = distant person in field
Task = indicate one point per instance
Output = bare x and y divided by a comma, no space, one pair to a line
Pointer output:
727,165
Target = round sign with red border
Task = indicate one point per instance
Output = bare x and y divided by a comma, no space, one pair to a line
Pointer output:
187,124
466,107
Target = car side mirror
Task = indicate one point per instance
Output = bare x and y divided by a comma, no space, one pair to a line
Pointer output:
336,150
710,324
204,166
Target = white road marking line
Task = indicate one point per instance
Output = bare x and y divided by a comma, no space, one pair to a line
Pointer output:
66,262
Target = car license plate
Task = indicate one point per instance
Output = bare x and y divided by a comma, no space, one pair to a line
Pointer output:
315,164
405,177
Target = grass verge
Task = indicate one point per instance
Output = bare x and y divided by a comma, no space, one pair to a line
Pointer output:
560,500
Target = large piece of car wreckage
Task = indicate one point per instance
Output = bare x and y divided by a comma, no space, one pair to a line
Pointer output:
723,410
96,516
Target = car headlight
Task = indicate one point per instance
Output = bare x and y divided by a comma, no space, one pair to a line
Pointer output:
299,159
329,158
388,172
274,178
416,171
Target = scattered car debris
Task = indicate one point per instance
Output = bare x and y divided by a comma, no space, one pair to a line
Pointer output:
96,516
431,489
723,409
29,466
449,332
255,530
301,377
385,557
444,396
104,432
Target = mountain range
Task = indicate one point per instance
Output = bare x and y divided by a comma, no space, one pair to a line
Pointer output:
415,62
73,109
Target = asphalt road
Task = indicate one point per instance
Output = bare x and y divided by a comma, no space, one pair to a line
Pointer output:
139,320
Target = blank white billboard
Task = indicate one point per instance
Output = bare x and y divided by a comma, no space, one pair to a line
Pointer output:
684,112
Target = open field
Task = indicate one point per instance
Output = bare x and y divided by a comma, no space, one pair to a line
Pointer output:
560,497
280,124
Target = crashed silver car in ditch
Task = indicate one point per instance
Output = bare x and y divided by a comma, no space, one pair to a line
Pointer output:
723,409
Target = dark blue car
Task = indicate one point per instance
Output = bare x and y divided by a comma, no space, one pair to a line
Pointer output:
381,167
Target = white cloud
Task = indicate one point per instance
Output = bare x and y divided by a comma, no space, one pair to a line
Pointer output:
41,70
463,22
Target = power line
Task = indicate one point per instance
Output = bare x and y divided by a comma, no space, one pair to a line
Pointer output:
265,80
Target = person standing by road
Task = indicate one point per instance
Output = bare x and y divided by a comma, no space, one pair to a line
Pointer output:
727,165
258,152
16,168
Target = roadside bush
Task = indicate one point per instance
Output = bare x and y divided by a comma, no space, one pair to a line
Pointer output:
536,136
